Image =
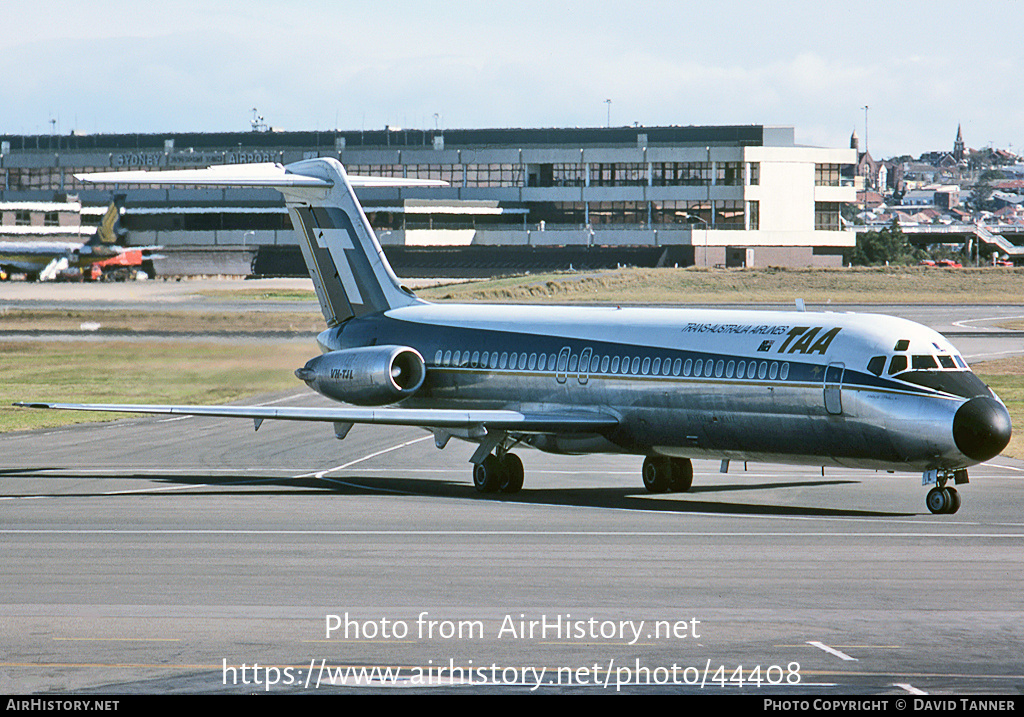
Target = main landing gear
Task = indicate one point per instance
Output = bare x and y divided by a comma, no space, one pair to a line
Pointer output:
667,475
499,473
942,499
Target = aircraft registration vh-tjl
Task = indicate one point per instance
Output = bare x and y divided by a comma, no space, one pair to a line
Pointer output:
670,384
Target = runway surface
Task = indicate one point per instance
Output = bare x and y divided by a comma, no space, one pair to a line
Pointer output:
152,555
162,555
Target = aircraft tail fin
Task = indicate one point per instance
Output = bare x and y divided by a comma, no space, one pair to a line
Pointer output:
110,230
351,275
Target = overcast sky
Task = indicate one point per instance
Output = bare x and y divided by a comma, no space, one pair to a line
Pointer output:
920,67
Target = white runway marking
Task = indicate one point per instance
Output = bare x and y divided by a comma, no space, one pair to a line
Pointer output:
910,688
963,323
832,651
496,533
321,474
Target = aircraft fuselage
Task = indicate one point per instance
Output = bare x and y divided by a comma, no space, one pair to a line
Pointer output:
790,387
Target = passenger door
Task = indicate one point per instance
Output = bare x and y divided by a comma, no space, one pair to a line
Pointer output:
834,388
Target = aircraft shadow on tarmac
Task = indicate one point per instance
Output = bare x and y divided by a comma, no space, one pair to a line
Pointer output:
612,497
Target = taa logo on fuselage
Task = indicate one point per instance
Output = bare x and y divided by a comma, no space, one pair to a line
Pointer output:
808,342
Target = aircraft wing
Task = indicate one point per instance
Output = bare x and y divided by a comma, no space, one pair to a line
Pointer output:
506,420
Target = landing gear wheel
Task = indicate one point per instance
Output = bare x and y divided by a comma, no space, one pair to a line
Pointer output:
954,501
512,467
681,478
939,500
488,474
657,473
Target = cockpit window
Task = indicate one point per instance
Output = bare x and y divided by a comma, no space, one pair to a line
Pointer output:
876,365
898,363
902,345
958,383
923,362
947,362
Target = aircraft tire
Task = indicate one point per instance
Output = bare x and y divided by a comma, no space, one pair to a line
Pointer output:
512,467
488,475
657,474
954,501
681,478
938,500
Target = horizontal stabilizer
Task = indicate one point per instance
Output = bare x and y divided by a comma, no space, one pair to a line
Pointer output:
513,421
245,175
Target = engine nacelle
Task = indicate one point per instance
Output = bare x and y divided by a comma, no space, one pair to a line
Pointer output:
368,376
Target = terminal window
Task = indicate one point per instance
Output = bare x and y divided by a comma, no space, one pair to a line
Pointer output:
826,175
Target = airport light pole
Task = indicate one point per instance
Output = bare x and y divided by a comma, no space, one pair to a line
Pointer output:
865,108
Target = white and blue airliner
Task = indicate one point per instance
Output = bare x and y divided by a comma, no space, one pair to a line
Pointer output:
669,384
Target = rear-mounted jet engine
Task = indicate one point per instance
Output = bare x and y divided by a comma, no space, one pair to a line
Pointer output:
368,376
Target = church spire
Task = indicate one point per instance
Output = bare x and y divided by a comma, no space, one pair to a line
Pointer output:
958,145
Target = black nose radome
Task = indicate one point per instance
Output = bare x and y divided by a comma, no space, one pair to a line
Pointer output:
981,428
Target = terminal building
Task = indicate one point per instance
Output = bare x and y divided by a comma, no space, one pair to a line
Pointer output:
531,198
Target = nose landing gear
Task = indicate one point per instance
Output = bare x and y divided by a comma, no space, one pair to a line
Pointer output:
943,500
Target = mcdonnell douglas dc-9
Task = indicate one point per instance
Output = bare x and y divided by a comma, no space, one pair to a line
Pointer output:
828,389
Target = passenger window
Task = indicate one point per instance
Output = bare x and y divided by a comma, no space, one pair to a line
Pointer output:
504,360
646,367
542,362
924,362
763,370
604,365
573,362
876,365
729,369
615,364
676,366
784,373
636,365
533,362
475,360
698,367
687,366
437,358
898,363
741,369
656,367
709,366
774,371
447,358
719,368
